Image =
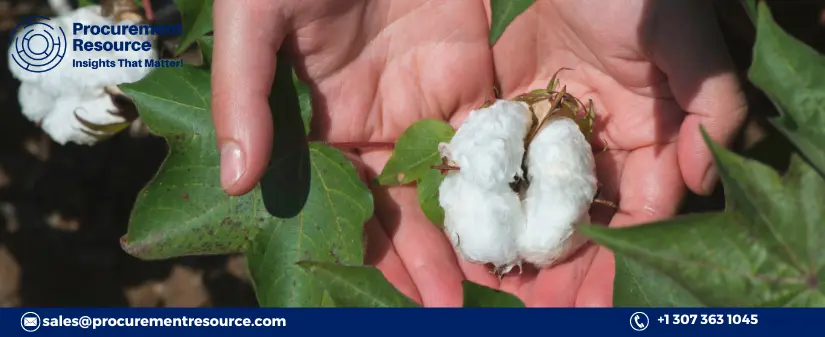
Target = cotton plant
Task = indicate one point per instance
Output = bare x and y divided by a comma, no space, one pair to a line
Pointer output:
83,105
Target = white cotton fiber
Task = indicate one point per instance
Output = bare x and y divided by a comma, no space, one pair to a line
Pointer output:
481,223
481,210
561,170
65,79
489,145
52,97
62,125
35,103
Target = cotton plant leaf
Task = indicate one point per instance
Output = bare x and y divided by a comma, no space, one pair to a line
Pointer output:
427,190
206,44
412,160
184,211
196,17
768,249
416,151
503,13
792,75
480,296
357,286
328,229
304,100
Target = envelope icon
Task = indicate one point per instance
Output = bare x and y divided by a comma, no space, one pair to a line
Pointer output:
30,321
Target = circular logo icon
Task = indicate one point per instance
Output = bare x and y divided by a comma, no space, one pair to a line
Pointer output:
639,321
30,322
38,44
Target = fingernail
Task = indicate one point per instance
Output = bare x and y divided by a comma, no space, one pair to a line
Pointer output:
233,163
711,177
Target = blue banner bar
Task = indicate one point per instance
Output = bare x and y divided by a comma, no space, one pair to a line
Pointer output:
410,322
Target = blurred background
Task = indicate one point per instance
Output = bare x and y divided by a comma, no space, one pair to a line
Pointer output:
64,208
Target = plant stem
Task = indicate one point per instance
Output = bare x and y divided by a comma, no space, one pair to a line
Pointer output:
606,203
147,8
362,145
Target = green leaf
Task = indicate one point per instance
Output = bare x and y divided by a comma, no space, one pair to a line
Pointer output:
768,251
305,100
415,152
206,43
427,188
196,16
326,301
183,210
479,296
328,229
792,75
357,286
504,12
84,3
637,285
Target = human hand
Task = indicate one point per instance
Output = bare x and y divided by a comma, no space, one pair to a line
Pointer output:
655,70
377,78
375,67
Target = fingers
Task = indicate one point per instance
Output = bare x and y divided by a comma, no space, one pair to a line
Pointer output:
379,251
687,45
650,189
423,248
381,254
247,34
597,288
558,286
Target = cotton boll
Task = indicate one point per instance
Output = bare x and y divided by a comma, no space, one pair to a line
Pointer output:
35,103
561,170
69,80
63,126
481,222
489,146
53,97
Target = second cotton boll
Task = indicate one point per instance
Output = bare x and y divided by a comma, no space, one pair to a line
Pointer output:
57,97
479,205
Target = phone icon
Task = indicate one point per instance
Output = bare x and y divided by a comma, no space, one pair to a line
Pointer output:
639,321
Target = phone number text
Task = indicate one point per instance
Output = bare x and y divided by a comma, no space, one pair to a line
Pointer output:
709,319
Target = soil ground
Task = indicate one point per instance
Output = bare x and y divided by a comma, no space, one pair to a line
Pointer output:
63,208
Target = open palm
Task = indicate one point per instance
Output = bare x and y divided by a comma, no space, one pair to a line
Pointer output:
376,67
655,70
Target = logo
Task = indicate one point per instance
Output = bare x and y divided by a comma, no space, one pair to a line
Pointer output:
30,322
639,321
38,46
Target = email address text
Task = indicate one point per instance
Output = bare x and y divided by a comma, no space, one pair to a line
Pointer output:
86,322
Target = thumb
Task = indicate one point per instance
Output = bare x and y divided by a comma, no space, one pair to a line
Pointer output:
247,35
